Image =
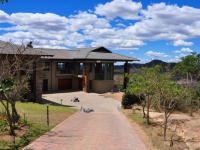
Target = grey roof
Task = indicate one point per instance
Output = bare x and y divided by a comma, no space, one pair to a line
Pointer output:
12,49
109,56
92,53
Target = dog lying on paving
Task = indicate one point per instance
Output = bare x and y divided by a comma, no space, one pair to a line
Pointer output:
87,110
75,100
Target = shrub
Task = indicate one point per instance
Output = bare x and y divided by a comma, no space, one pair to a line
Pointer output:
128,100
3,125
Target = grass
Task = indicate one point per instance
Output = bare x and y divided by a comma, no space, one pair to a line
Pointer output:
155,133
37,113
34,118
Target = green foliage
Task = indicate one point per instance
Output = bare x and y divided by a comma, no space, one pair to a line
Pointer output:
7,85
157,89
197,89
189,65
141,83
168,93
191,100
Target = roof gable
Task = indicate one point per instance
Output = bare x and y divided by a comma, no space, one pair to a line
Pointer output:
101,50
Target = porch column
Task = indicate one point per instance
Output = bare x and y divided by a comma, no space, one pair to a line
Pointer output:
86,79
126,71
33,83
37,82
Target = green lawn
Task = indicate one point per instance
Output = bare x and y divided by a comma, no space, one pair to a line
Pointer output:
36,117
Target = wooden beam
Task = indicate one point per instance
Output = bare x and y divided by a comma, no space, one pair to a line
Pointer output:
126,72
86,79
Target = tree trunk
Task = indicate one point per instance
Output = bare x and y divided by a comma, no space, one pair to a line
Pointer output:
148,107
165,127
143,109
191,105
15,115
10,122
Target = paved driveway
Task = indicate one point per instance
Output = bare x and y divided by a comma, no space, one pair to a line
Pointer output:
92,100
104,129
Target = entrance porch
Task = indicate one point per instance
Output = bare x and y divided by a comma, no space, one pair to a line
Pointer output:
90,76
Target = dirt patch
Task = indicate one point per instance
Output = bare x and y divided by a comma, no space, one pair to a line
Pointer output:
2,117
187,127
152,134
115,95
19,133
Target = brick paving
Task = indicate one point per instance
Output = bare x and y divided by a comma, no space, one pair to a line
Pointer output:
102,130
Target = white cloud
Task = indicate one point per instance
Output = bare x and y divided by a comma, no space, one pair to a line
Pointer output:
174,60
157,22
3,17
181,53
126,9
182,43
47,21
85,20
167,22
184,50
156,54
118,43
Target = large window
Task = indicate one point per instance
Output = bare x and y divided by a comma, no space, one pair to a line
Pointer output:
104,71
64,68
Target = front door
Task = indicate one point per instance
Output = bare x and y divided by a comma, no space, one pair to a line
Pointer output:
64,84
45,85
80,83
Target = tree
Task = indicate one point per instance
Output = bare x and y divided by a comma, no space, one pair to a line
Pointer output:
142,84
135,86
189,67
192,98
15,70
168,94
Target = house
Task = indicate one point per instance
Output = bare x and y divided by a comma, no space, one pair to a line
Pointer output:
87,69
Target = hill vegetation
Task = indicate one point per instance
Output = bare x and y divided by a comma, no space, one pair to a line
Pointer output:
135,66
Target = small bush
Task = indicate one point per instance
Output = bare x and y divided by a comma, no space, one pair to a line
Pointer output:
3,125
128,100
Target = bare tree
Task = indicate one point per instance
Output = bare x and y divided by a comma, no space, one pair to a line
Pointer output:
16,66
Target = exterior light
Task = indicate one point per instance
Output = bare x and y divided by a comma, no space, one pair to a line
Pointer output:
98,61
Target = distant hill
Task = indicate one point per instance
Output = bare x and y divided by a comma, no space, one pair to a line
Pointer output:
134,66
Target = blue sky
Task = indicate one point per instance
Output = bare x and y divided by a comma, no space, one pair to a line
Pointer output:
155,29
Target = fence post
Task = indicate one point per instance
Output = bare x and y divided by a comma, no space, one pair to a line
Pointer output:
48,115
24,117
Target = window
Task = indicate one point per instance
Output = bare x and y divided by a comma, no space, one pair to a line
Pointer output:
64,68
99,71
46,66
80,68
103,71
